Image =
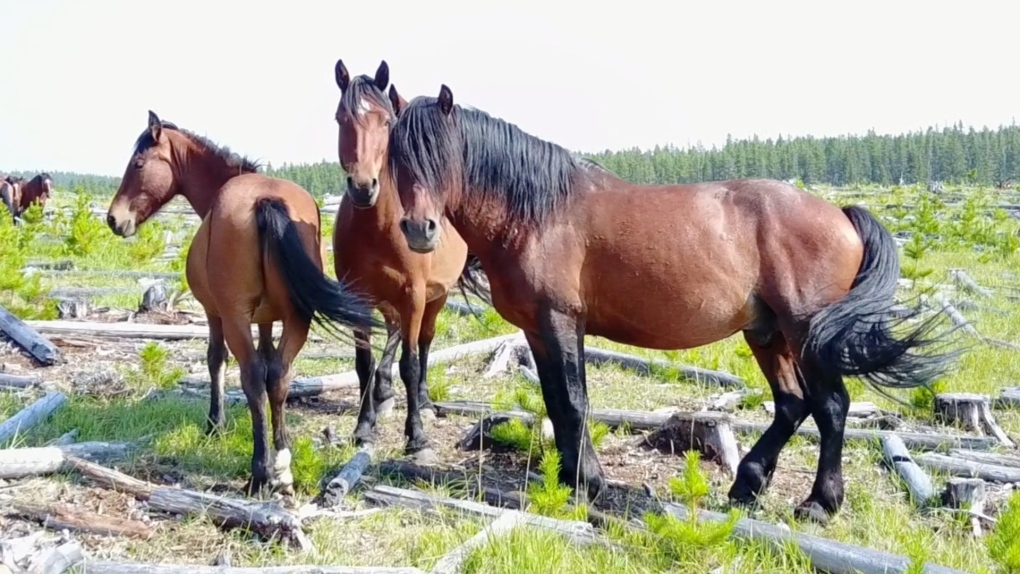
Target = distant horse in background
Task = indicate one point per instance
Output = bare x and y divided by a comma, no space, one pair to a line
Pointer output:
36,190
9,195
256,258
409,288
570,249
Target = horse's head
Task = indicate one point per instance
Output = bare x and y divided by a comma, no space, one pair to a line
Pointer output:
427,162
364,116
44,187
148,181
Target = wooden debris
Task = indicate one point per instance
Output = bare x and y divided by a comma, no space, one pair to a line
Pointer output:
986,457
966,282
103,567
31,415
452,561
726,402
56,560
861,410
463,477
966,494
511,351
825,555
900,462
71,308
70,437
28,339
61,516
126,330
35,461
967,469
1009,397
463,308
576,531
268,519
348,476
155,298
479,436
18,381
972,411
643,366
707,432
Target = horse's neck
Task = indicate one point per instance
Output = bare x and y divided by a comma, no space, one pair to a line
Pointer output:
201,178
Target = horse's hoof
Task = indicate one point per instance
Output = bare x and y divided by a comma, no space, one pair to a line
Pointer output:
425,457
812,511
386,408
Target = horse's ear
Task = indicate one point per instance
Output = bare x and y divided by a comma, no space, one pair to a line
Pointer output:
343,78
382,76
445,100
396,101
155,126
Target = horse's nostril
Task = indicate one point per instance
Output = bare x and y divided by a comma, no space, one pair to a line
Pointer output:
403,226
111,221
375,183
432,226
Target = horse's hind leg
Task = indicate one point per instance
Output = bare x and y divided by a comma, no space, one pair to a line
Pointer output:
237,331
829,403
216,359
295,333
266,348
777,362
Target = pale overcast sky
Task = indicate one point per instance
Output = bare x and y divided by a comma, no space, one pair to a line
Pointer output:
77,77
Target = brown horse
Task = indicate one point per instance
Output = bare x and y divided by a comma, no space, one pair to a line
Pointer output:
36,190
570,249
256,258
408,288
9,195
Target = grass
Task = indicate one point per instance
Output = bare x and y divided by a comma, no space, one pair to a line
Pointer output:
876,513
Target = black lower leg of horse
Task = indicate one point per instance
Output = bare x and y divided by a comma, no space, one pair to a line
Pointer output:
363,366
413,428
428,333
777,363
216,359
253,382
829,406
384,372
559,356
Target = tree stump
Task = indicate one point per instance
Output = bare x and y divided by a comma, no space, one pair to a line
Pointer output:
155,298
72,309
972,412
707,432
967,494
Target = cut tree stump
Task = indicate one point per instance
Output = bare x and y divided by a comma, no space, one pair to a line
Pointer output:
348,476
967,469
267,519
900,462
966,494
104,567
643,366
972,412
45,352
707,432
825,555
31,415
65,516
155,298
36,461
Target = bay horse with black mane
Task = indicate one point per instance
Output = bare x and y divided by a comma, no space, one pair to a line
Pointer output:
36,190
255,259
570,249
9,195
409,288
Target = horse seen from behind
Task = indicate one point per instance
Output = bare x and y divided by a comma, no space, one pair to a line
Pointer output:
570,249
255,259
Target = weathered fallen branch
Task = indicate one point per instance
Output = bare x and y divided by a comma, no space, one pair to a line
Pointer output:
511,351
56,560
269,519
431,475
965,281
643,366
955,316
967,494
28,339
35,461
463,308
18,381
825,555
986,457
126,330
859,410
479,436
900,462
31,415
1009,397
348,476
452,561
65,516
104,567
707,432
70,437
576,531
967,469
972,411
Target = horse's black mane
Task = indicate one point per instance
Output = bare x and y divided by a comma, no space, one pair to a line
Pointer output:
145,141
41,178
364,87
533,177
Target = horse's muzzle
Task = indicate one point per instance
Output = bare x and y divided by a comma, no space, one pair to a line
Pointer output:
422,234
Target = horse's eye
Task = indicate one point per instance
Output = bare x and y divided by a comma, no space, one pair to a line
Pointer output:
139,163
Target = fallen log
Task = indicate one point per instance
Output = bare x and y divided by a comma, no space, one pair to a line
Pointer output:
127,330
28,339
18,381
36,461
510,351
707,432
70,437
900,462
1009,397
348,476
463,308
382,495
453,561
268,519
972,412
56,560
965,281
104,567
65,516
968,469
643,366
857,410
966,494
955,316
466,478
31,415
825,555
986,457
115,272
59,264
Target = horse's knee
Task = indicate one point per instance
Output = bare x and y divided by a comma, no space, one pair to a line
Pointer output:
253,376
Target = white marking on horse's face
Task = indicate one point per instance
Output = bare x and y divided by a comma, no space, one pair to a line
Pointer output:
363,107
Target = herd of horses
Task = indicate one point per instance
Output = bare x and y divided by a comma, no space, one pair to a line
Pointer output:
18,194
434,189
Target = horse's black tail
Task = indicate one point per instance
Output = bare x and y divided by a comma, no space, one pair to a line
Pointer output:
315,296
855,335
469,282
